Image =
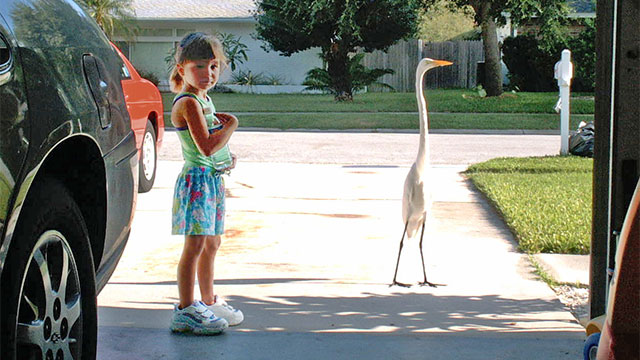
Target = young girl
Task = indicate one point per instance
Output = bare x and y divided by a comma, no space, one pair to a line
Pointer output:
199,199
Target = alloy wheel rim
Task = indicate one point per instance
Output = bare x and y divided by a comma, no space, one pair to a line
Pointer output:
50,306
148,155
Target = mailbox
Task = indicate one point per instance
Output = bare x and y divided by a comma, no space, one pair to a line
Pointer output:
563,70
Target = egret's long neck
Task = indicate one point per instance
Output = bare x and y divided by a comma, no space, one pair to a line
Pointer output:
422,161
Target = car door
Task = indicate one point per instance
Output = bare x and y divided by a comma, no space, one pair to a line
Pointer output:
13,131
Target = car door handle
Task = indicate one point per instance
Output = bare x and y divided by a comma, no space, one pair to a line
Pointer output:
98,87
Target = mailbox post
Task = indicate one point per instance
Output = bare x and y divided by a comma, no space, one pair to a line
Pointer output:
563,71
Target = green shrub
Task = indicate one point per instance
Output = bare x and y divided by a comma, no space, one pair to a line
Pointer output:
361,77
234,49
583,53
248,78
530,69
531,63
272,79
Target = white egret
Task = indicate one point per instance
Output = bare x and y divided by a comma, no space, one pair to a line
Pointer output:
416,200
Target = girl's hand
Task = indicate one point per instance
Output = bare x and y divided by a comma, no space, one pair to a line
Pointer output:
227,119
234,159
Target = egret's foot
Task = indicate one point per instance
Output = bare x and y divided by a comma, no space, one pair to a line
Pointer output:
427,283
400,284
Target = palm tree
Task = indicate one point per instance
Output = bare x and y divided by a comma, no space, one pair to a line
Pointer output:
113,16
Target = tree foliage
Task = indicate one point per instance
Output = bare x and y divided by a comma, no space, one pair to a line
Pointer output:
113,16
445,23
338,28
489,14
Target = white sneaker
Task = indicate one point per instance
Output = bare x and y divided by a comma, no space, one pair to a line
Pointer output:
221,309
198,319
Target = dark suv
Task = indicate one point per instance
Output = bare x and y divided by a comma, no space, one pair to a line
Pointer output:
68,177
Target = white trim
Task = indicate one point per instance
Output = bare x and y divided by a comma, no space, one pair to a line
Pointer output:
220,19
158,38
582,15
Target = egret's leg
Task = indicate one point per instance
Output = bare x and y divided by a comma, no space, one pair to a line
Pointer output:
424,271
398,261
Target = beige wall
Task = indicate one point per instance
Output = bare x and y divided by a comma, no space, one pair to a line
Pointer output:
147,53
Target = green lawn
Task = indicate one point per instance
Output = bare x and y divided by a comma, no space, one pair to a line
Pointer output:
546,201
449,109
343,121
461,101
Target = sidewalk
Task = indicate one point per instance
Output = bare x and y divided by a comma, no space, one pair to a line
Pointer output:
308,256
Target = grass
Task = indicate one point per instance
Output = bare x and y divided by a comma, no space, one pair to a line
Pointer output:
542,273
546,201
460,101
449,109
343,121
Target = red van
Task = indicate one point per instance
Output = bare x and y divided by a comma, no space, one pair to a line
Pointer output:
144,104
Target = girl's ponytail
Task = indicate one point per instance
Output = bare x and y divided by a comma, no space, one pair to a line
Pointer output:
175,80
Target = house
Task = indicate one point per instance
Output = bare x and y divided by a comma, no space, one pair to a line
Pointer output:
578,11
163,23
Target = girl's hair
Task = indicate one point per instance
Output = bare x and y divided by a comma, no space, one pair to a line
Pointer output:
195,46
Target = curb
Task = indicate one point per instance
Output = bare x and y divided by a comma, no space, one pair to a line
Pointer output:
566,269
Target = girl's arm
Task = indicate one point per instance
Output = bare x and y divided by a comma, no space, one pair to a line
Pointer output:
225,117
208,144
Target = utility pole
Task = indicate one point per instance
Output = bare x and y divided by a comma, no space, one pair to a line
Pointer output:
616,166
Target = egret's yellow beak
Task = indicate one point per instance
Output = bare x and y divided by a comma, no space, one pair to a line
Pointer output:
443,62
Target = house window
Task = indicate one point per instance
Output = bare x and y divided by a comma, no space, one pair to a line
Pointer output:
183,32
155,32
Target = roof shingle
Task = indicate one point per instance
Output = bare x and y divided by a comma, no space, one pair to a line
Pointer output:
193,9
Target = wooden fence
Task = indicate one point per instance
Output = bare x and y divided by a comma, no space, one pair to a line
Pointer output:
404,56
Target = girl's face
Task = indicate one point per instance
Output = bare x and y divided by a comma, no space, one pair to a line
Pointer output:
200,74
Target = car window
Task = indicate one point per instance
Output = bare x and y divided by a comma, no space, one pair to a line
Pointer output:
124,72
5,55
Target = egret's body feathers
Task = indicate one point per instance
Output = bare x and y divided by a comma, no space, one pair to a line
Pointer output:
416,199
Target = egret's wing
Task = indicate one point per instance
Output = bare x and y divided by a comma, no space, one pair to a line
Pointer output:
413,199
407,194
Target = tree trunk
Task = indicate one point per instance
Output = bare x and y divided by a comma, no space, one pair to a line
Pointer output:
337,60
492,65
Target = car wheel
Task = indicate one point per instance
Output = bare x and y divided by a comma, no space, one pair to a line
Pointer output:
590,348
48,285
148,159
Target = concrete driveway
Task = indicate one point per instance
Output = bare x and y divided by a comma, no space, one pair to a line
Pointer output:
313,227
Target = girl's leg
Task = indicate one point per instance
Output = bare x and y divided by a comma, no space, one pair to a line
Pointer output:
206,266
193,245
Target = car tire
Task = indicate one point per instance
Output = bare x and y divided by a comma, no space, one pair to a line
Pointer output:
591,346
46,315
148,159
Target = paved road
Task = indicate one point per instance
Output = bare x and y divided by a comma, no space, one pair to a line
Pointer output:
311,243
363,148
